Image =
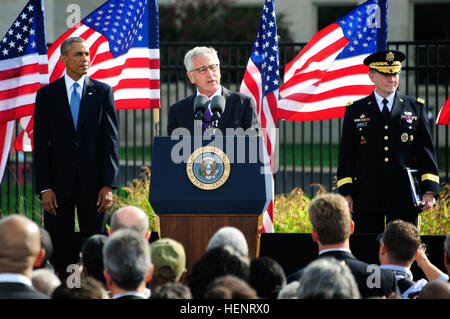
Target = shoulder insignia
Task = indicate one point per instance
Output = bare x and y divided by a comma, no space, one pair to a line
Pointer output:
349,103
420,100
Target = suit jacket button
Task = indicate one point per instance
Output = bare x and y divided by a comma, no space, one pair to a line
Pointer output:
386,159
386,127
386,148
386,138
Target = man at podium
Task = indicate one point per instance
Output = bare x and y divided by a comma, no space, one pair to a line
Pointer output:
214,106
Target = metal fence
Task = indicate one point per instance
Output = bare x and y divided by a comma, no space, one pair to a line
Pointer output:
307,151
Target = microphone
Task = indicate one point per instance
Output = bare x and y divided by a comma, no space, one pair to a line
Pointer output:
200,106
217,108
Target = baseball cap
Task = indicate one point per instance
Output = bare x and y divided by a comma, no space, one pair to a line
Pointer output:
168,258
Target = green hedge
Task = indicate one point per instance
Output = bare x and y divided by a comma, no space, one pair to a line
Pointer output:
290,210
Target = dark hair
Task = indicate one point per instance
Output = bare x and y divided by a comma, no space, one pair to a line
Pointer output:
267,277
402,239
47,245
214,263
229,287
89,289
92,257
171,290
65,46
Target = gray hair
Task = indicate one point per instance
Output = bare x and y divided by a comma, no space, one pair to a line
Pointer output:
126,257
289,291
447,245
65,46
45,281
199,51
232,237
328,278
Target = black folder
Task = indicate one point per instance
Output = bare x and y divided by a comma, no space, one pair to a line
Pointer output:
413,176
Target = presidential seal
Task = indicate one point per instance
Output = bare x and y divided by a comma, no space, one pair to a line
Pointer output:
208,168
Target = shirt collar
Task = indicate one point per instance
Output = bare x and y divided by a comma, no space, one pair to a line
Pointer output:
69,82
218,92
17,278
334,249
379,99
399,271
146,295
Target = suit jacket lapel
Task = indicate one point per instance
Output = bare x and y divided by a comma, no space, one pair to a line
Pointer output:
88,92
373,111
63,101
227,112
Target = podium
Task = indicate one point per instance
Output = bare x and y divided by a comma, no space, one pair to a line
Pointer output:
190,207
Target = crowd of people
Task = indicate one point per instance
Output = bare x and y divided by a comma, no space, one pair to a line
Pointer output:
125,264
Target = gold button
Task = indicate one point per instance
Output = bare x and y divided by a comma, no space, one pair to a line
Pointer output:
360,129
386,127
386,138
410,127
386,159
386,148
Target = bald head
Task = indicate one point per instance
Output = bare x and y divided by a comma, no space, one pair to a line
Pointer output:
435,289
130,217
20,244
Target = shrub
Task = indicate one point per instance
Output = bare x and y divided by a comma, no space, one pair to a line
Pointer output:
436,221
290,210
136,195
291,216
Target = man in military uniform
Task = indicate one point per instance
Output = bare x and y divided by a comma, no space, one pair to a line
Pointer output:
382,135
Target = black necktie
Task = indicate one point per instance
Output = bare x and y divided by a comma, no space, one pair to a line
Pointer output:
385,111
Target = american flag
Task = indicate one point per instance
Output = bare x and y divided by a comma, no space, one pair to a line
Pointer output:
23,70
329,71
261,80
444,114
123,38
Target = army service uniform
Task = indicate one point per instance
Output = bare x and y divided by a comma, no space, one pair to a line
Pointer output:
373,156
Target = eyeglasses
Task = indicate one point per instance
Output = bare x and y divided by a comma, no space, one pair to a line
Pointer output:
203,69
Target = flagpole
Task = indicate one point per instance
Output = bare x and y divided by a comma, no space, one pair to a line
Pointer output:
156,122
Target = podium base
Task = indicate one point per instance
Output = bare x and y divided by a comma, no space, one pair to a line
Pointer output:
195,230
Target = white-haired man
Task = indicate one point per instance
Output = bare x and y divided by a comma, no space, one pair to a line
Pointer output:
203,70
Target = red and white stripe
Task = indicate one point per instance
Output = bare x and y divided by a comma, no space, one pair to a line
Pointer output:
20,78
316,85
6,133
266,108
133,76
444,114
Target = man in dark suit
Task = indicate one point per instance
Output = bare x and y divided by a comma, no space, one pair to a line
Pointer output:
203,69
382,135
20,251
332,226
75,151
127,265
